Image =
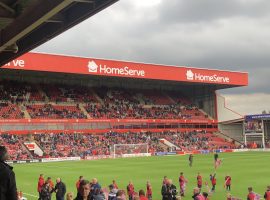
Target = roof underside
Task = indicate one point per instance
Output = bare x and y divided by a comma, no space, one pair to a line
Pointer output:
77,79
26,24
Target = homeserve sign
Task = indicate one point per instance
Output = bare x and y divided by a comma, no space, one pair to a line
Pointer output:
206,78
103,69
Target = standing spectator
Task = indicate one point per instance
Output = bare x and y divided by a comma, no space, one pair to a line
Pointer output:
78,183
120,195
130,190
49,180
182,183
149,190
99,195
142,195
8,190
199,181
112,193
213,181
169,191
114,184
227,183
197,195
60,189
95,187
84,191
267,193
165,179
40,183
45,191
69,196
251,195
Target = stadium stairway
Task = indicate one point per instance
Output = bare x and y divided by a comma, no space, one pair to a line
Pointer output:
97,97
170,98
208,116
169,144
224,136
43,94
81,106
25,112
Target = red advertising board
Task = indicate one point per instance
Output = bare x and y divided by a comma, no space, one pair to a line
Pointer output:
187,121
101,67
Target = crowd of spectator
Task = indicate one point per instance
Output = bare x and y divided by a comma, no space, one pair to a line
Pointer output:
83,145
62,101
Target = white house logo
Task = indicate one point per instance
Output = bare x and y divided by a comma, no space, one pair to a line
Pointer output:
104,69
191,76
92,66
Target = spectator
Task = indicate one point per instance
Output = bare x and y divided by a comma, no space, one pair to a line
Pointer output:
121,195
168,191
142,195
251,195
46,191
78,183
7,178
130,190
197,195
84,191
112,193
267,193
60,189
148,190
40,184
69,196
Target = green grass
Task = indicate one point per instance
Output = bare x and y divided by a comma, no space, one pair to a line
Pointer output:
246,169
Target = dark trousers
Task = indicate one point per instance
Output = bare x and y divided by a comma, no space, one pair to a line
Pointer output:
60,198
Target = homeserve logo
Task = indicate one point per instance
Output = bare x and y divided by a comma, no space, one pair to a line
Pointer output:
191,76
103,69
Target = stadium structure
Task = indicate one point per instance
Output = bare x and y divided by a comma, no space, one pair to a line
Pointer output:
26,24
65,94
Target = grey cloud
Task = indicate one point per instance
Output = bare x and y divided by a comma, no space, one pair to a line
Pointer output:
208,10
229,35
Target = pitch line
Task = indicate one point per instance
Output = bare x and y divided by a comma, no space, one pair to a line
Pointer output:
31,195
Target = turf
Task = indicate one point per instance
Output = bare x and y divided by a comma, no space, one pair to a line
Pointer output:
246,169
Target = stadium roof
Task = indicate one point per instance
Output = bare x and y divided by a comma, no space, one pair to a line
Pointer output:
26,24
101,68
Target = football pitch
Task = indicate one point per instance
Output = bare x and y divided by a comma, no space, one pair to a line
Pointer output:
246,169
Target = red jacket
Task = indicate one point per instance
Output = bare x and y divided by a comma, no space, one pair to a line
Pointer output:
267,195
251,196
143,198
40,184
78,184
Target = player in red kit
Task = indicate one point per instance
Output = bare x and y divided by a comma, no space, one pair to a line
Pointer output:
148,190
182,183
213,182
199,181
130,190
227,183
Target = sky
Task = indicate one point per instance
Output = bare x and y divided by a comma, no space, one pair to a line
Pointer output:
215,34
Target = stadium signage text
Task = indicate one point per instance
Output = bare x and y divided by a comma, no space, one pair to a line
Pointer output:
206,78
104,69
16,63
